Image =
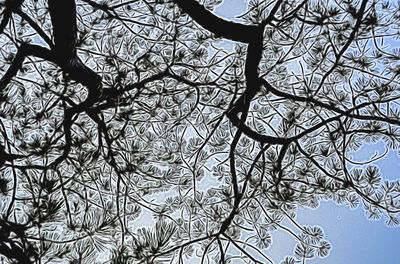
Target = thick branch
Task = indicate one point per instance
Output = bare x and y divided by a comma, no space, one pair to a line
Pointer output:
253,58
63,19
253,85
63,16
227,29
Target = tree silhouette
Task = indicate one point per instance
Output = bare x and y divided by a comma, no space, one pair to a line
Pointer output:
131,134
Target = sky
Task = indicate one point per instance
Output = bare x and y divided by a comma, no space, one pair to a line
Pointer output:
354,239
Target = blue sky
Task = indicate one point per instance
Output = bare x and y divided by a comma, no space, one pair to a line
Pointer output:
354,239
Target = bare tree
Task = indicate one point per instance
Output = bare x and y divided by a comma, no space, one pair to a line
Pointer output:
131,134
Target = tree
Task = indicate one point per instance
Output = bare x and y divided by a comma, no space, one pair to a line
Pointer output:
129,134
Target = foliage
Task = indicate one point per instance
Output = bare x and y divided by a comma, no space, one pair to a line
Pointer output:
131,132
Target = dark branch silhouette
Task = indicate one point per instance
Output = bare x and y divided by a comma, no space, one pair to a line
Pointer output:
227,29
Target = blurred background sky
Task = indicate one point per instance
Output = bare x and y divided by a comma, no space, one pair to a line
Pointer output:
354,239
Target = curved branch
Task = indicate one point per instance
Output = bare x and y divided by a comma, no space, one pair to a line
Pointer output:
221,27
24,51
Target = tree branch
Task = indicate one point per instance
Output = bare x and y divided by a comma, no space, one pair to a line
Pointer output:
36,27
63,19
24,51
226,29
11,6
